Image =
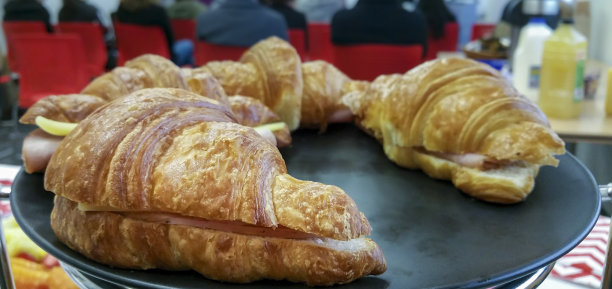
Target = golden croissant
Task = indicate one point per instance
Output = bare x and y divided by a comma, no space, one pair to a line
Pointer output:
455,119
301,94
269,71
460,120
38,146
164,178
324,87
146,71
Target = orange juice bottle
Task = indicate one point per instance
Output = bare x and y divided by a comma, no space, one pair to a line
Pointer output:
562,72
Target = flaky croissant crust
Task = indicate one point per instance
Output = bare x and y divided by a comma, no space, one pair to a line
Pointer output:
64,107
119,82
279,65
177,143
457,106
454,109
217,255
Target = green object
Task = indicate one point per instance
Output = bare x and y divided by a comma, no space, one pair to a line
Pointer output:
185,9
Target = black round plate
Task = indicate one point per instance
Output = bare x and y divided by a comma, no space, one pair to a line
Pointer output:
431,234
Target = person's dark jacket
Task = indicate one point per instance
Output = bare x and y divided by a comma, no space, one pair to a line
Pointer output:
295,19
240,23
27,10
152,15
437,15
379,22
79,11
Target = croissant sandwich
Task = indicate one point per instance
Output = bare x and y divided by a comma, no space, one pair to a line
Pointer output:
269,71
146,71
460,120
324,87
164,178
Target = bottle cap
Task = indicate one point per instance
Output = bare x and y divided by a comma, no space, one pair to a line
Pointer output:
567,21
567,11
539,20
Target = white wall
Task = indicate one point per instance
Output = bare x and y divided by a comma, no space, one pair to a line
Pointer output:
600,43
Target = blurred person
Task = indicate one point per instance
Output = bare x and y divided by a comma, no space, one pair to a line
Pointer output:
27,10
379,22
240,23
295,19
319,11
149,13
78,11
437,15
185,9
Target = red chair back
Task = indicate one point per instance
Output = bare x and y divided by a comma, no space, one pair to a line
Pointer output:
298,40
319,42
50,64
481,29
206,52
184,29
13,28
135,40
447,43
92,35
368,61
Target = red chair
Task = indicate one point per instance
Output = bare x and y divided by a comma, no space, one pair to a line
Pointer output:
447,43
482,29
319,42
184,29
367,61
135,40
13,28
50,64
298,40
206,52
92,35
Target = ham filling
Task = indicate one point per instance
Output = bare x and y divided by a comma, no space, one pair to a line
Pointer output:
38,147
471,160
342,115
225,226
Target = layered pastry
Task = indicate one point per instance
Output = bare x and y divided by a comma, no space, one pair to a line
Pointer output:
459,120
164,178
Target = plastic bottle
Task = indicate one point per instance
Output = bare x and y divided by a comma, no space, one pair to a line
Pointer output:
562,72
527,57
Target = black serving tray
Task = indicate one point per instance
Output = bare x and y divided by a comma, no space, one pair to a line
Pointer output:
432,235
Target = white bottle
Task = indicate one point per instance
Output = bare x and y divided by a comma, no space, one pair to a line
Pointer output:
527,58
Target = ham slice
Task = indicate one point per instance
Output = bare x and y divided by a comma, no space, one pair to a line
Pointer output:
342,115
38,147
225,226
471,160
